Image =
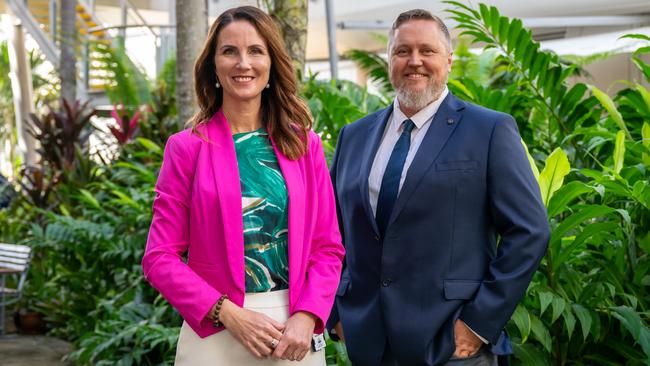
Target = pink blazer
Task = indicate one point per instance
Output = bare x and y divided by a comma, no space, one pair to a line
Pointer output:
198,209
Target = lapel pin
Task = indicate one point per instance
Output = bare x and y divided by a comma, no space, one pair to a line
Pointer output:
450,121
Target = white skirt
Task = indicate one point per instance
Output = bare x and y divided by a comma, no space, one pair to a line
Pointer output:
223,349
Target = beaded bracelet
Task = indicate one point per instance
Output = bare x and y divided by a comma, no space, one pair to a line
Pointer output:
217,309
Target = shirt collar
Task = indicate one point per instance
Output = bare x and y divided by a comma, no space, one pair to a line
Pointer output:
420,118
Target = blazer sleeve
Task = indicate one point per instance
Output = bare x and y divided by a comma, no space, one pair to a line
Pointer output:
334,314
324,263
519,216
168,238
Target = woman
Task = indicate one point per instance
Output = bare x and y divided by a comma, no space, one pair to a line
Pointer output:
246,193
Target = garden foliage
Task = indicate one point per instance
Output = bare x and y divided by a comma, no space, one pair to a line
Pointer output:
87,218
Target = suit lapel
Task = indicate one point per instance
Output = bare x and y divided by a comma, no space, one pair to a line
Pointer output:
296,192
375,133
442,127
226,179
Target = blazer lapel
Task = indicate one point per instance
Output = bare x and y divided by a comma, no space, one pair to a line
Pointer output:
375,133
442,127
296,192
226,179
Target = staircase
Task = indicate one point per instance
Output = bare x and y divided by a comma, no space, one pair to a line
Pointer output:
40,19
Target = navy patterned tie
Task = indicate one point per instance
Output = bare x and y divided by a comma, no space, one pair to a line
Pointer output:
392,176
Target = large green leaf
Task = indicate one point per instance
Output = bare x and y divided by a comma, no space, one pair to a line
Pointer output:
521,318
540,332
574,221
531,161
557,307
635,325
645,134
530,355
643,37
374,65
552,176
545,299
619,152
573,248
610,107
569,321
645,94
565,195
585,319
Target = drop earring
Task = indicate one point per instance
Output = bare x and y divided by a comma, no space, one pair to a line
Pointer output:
217,85
267,86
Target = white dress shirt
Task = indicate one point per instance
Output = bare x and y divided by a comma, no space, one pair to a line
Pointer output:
392,132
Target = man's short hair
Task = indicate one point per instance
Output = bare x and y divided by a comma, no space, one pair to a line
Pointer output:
418,14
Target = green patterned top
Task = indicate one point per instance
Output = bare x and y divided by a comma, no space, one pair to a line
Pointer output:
265,208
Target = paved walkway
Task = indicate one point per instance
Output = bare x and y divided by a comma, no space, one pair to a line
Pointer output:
24,350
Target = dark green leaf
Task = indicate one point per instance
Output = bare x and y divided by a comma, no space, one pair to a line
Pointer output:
585,319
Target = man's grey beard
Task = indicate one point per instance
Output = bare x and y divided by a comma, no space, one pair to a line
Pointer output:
416,100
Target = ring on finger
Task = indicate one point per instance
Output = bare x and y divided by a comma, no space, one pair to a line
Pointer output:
273,343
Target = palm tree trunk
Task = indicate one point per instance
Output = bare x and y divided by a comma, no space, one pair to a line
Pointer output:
67,64
21,84
291,16
191,30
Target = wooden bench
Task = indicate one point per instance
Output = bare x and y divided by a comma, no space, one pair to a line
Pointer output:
14,261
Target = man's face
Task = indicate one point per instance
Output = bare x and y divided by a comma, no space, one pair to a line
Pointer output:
419,64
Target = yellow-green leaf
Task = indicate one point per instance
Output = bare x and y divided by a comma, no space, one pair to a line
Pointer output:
552,176
89,198
619,152
462,87
645,135
521,318
531,161
609,105
645,94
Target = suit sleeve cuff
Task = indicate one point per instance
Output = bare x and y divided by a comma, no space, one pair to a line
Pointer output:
485,341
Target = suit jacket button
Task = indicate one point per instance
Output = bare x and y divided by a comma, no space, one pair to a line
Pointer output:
386,282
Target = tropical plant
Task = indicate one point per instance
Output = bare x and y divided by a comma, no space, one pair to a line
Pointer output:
123,81
61,133
376,67
334,104
127,126
588,302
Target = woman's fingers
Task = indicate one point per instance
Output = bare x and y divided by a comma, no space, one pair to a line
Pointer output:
273,331
301,355
277,325
253,350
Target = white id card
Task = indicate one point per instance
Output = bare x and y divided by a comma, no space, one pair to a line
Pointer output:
317,342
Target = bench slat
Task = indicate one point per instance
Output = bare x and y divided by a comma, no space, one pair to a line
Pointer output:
15,248
14,254
13,260
15,266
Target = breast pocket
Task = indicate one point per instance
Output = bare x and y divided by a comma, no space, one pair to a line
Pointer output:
457,165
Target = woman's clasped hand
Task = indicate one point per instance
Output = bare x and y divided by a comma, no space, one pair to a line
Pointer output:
264,337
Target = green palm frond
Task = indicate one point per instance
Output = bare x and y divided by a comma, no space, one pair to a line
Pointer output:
541,72
376,67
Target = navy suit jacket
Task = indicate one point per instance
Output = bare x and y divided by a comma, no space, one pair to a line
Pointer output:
469,184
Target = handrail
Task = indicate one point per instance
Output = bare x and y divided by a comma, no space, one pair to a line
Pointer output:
141,18
19,9
109,27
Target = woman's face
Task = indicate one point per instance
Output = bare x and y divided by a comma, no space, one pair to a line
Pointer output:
243,62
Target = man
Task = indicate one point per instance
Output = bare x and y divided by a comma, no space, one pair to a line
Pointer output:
424,188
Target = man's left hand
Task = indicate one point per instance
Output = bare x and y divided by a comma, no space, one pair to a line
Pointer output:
296,339
467,343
